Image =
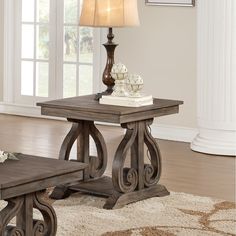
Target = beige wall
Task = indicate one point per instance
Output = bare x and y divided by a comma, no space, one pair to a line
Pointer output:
163,51
1,49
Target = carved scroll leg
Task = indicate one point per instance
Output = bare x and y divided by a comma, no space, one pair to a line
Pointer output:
69,141
22,208
140,181
137,154
62,191
7,214
83,147
152,172
125,180
24,219
128,182
97,165
48,227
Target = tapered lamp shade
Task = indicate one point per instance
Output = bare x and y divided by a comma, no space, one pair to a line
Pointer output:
109,13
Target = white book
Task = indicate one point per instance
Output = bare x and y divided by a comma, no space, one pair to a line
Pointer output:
144,100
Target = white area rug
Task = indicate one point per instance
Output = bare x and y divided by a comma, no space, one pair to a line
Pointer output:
177,214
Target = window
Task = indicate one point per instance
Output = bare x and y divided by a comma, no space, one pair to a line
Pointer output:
54,57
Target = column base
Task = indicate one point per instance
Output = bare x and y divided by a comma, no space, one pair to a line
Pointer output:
217,142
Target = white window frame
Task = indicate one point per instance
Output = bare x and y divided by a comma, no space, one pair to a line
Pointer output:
11,57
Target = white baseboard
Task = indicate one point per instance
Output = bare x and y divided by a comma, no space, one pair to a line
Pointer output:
24,110
174,133
167,132
18,109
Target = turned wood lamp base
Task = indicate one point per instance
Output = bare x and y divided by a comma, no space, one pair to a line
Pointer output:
106,77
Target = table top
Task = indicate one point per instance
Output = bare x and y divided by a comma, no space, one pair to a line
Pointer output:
86,108
29,169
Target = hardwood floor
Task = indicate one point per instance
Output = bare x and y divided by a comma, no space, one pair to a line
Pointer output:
183,169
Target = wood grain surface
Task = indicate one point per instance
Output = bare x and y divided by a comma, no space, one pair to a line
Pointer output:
31,174
86,108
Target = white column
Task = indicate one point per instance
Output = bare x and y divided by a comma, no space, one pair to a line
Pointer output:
216,77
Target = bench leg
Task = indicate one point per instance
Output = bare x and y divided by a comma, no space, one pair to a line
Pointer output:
22,208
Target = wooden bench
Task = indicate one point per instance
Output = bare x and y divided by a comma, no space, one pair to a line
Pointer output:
22,184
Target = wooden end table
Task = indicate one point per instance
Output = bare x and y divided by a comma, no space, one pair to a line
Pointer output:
128,183
21,185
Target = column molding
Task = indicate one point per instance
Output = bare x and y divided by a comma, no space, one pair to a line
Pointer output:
216,76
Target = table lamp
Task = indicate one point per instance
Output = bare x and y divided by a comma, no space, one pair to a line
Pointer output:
109,13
